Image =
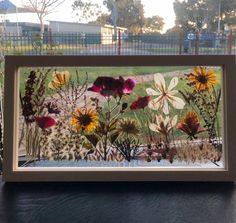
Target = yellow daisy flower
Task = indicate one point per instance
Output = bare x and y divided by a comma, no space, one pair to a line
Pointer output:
202,78
85,120
60,78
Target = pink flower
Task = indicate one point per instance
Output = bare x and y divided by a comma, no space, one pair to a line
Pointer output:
45,122
140,103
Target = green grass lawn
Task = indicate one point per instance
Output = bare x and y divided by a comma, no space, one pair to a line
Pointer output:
163,50
94,72
139,90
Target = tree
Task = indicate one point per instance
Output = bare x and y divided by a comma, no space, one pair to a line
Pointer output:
191,15
123,13
103,19
86,9
154,24
175,30
222,12
112,5
199,14
42,8
130,14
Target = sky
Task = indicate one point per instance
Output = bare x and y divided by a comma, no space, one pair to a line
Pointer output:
163,8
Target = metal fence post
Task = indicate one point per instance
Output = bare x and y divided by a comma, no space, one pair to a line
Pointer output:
181,35
119,42
197,43
230,42
50,38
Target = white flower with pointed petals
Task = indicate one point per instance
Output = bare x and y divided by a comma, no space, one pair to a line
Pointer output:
165,95
162,125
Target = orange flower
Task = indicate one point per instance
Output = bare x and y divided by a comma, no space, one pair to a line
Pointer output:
190,125
85,120
202,78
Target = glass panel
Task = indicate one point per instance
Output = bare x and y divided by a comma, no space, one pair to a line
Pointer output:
121,117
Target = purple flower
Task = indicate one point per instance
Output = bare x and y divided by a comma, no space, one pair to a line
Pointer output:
109,86
28,110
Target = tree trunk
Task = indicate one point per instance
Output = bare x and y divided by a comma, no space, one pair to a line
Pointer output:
41,35
41,28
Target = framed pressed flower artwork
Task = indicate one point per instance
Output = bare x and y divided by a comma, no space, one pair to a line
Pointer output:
119,118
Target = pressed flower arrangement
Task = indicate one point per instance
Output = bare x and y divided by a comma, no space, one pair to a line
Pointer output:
67,115
119,118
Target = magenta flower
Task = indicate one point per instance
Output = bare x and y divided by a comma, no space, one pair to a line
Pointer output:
109,86
45,122
140,103
128,85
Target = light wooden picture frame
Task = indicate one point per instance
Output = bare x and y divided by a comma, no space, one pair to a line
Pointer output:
13,173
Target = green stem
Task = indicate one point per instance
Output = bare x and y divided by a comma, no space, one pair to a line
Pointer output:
166,137
36,142
149,131
107,127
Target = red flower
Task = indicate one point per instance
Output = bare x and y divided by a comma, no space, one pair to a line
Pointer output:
109,86
140,103
45,122
190,125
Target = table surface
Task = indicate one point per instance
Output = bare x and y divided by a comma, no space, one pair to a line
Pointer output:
118,202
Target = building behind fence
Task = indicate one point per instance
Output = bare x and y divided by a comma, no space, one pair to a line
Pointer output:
81,43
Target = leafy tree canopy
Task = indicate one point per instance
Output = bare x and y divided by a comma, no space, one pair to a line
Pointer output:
123,13
204,14
129,14
154,24
103,19
86,9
